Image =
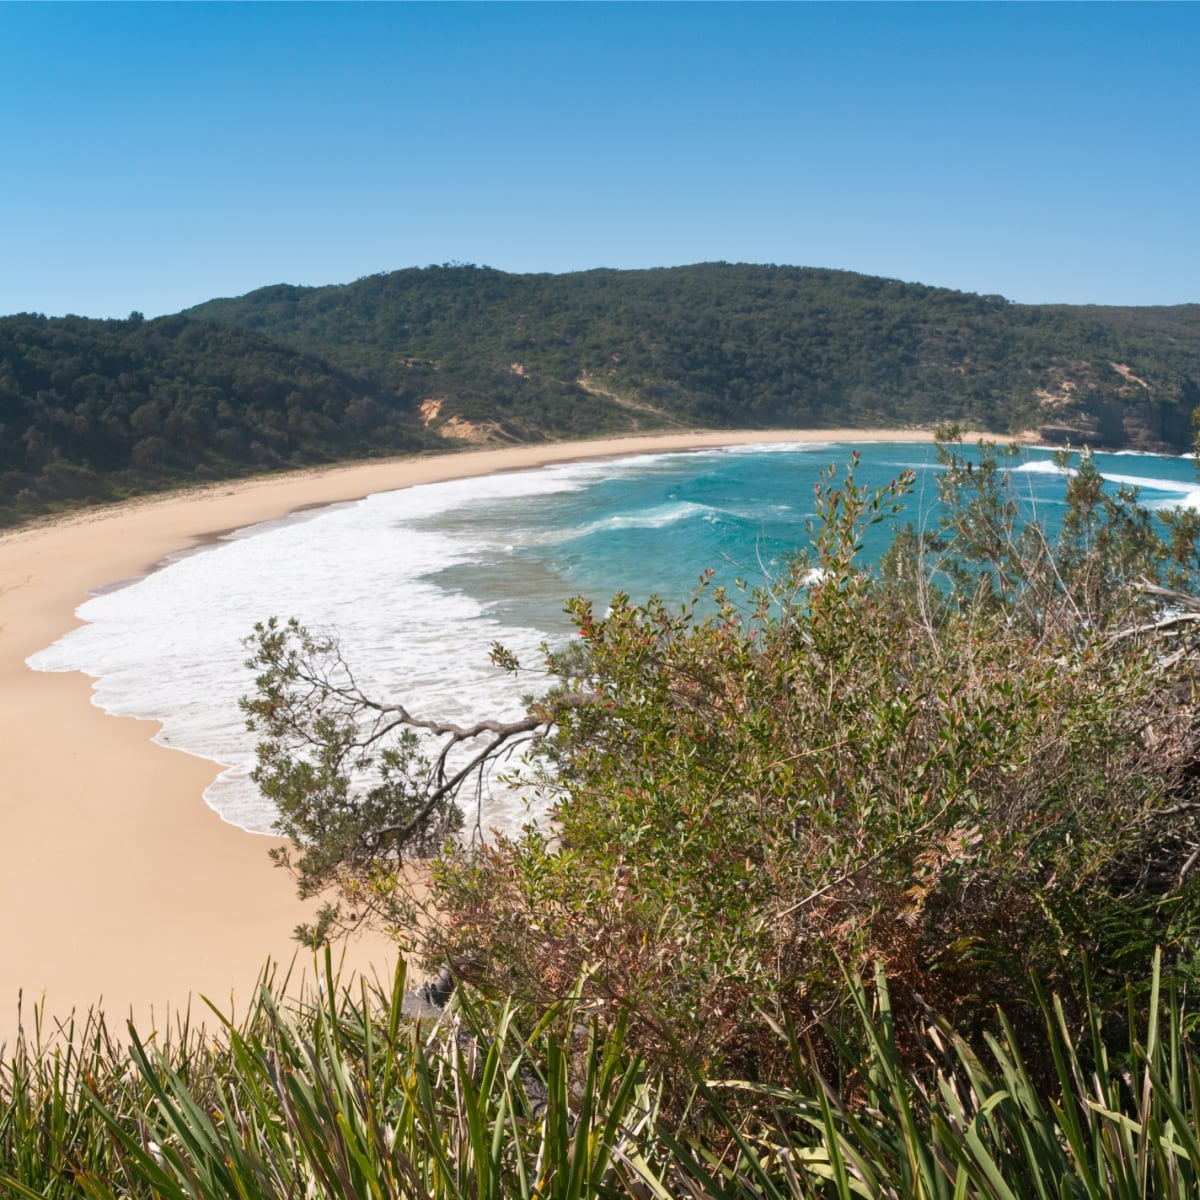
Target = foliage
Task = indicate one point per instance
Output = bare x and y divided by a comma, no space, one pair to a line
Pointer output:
967,785
352,786
973,781
970,1123
738,345
97,410
336,1094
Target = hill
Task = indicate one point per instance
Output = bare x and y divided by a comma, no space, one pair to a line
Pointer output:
734,345
98,410
429,358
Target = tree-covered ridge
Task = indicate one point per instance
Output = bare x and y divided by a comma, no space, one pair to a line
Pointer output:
737,345
96,410
284,376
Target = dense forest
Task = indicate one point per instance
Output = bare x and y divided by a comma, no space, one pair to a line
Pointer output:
734,345
423,358
98,410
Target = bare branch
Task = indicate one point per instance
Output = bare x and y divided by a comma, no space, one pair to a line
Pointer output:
1183,599
1171,622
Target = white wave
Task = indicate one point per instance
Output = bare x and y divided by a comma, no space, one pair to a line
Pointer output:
1188,498
757,448
1148,483
169,648
1040,467
1144,482
654,518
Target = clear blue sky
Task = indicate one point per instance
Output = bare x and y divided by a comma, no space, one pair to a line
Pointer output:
155,155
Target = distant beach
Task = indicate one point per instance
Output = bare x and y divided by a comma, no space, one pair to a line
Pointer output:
120,884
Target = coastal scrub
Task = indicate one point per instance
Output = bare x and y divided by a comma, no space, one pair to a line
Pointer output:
973,765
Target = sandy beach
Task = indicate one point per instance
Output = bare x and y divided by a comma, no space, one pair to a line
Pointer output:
120,885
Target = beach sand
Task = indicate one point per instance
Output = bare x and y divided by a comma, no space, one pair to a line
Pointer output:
119,885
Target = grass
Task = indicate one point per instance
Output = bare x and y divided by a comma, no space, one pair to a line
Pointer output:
338,1094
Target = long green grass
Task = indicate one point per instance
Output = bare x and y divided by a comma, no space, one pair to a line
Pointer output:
975,1124
340,1095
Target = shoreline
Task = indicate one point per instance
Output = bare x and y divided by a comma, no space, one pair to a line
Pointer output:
123,888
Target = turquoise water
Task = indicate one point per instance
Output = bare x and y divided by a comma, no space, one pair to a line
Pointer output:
653,524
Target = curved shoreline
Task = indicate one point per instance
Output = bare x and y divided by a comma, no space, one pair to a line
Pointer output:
121,885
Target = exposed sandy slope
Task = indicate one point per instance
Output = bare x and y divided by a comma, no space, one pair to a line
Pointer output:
118,881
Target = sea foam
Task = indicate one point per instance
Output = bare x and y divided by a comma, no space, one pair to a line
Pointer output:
170,647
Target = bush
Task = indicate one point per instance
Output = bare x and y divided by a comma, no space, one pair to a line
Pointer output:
974,765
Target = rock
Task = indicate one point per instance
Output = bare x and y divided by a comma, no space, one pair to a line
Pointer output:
431,997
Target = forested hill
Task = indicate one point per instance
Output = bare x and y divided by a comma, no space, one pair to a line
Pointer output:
423,358
98,410
734,345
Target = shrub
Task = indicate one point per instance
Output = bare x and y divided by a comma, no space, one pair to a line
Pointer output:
974,765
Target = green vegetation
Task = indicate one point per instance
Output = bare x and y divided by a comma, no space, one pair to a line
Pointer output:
286,376
99,410
338,1096
974,765
729,345
867,882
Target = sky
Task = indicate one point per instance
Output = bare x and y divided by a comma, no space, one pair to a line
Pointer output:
153,156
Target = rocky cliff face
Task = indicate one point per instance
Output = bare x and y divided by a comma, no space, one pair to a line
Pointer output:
1108,406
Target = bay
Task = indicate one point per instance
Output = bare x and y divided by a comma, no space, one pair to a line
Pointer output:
417,584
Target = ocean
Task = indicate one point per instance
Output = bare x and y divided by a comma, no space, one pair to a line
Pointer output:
418,584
